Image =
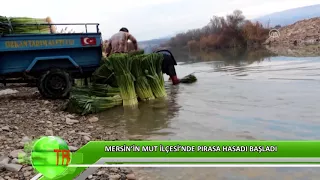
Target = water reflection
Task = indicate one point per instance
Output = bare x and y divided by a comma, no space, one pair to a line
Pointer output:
296,51
235,57
150,118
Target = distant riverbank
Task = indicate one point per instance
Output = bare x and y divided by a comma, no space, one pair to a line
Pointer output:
234,31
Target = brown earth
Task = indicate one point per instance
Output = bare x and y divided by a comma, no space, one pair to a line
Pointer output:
305,32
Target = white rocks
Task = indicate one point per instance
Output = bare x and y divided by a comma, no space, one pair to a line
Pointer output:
126,170
70,116
47,112
86,138
90,177
28,168
90,127
25,139
71,121
49,123
115,170
46,102
114,177
8,91
13,167
84,134
93,119
101,172
15,161
15,153
49,132
27,173
73,148
4,160
130,176
5,128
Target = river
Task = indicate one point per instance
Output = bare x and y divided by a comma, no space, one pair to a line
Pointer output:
246,96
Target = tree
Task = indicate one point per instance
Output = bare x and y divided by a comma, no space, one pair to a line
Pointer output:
236,19
222,32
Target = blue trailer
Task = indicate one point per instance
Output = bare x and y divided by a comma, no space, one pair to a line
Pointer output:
54,60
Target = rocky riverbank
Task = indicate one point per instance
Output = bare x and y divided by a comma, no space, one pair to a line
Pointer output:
305,32
24,116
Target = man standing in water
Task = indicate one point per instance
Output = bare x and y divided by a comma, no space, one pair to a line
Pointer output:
118,43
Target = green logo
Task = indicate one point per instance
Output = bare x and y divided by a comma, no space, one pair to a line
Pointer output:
50,156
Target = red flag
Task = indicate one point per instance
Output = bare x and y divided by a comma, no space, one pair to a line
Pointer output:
88,41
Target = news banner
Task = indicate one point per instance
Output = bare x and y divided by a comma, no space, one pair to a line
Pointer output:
60,161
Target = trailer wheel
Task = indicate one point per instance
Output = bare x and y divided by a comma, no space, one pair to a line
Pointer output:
55,84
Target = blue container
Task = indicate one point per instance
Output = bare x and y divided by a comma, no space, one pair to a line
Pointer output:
77,54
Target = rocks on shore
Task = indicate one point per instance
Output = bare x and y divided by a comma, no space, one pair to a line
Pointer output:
71,121
304,32
93,119
25,116
5,128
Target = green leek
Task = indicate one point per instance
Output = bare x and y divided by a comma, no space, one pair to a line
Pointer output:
142,86
121,65
152,65
83,104
22,29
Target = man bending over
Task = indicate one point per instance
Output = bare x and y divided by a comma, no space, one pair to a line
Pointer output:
168,63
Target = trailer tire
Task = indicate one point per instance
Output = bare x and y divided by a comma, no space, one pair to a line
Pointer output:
55,84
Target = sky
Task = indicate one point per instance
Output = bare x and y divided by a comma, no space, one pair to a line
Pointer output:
145,19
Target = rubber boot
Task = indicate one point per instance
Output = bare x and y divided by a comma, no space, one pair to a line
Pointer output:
175,80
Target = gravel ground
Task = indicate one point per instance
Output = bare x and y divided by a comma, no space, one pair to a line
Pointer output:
26,115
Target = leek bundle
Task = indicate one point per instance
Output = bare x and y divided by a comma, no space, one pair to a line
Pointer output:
101,91
22,29
104,74
142,86
152,66
121,65
188,79
158,62
83,104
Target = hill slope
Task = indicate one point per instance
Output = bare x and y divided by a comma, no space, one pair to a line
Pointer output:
305,32
290,16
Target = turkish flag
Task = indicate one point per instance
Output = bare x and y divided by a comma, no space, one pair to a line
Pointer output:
88,41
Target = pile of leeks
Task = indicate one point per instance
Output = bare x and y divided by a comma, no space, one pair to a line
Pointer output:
121,79
93,99
21,25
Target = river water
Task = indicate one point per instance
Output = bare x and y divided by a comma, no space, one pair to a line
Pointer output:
247,97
